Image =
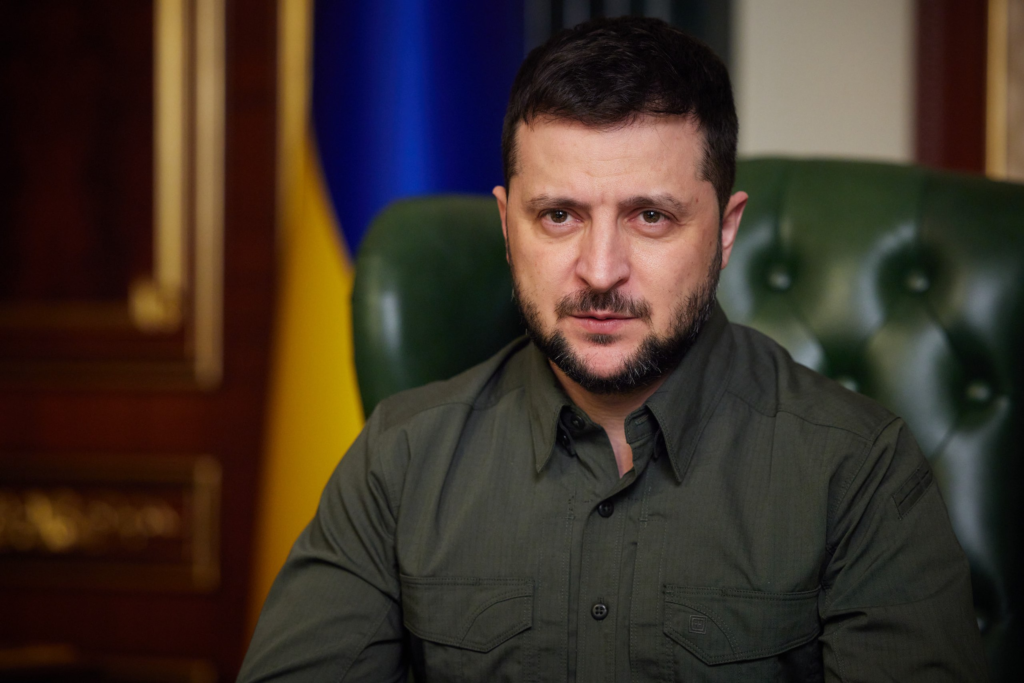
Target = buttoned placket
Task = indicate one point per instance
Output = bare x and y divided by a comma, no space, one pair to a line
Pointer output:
624,550
607,509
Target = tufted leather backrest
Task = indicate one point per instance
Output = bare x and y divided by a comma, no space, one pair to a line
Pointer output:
902,283
907,285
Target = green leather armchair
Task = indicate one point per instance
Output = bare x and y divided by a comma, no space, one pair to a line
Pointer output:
903,283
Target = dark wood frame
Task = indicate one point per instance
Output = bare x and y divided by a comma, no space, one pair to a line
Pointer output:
951,55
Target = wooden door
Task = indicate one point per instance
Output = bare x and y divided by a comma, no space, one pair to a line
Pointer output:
137,176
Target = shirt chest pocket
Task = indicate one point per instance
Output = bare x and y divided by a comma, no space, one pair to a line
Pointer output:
464,629
741,635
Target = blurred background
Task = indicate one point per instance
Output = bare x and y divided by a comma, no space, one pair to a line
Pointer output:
184,185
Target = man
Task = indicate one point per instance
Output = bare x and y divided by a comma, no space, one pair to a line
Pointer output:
638,491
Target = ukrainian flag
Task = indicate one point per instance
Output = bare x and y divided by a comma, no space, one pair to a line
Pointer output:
407,98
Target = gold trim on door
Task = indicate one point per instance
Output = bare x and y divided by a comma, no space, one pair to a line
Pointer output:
996,87
119,522
156,301
209,201
1004,125
183,294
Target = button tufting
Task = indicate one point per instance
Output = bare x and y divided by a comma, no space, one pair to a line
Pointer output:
848,382
979,391
917,281
779,278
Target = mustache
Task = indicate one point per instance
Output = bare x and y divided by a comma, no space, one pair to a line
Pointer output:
613,301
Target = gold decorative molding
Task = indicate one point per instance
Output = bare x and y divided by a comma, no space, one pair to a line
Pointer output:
1015,92
178,306
139,522
295,43
1004,125
996,88
171,124
209,200
63,521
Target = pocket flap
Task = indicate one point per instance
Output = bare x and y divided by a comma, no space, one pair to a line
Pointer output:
721,625
476,614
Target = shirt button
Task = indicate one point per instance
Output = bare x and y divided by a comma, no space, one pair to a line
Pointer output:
563,439
599,611
606,508
576,422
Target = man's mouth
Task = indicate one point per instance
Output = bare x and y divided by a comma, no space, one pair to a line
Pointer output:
600,322
598,315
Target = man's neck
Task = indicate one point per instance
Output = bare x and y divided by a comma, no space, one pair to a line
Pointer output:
610,411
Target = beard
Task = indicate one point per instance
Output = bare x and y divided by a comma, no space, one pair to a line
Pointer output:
653,359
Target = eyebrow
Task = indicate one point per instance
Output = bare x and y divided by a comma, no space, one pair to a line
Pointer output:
658,200
545,201
664,200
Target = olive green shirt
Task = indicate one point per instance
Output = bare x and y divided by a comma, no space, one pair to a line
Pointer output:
774,527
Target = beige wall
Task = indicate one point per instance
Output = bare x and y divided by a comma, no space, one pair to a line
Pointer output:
825,77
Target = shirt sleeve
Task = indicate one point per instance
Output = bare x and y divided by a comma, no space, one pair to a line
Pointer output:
896,604
333,613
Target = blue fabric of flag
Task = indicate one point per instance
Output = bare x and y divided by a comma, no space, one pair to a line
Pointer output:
408,99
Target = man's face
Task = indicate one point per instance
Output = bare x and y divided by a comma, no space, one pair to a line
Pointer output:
615,246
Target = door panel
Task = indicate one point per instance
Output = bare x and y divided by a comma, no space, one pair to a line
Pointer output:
136,293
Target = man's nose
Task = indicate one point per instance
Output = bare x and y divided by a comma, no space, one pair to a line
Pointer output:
604,255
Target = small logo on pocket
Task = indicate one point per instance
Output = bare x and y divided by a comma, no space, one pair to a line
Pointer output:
698,624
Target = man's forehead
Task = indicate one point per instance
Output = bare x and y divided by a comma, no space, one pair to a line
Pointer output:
647,147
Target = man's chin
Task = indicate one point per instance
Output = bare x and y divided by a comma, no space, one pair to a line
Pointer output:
602,362
603,345
616,368
588,376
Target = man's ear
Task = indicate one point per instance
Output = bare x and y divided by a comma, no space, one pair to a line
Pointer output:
731,223
502,196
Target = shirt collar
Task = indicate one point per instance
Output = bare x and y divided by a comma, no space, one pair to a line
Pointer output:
682,405
545,399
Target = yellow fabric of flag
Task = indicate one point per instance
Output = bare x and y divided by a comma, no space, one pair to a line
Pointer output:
314,409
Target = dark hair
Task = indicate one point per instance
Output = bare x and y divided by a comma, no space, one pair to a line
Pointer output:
608,72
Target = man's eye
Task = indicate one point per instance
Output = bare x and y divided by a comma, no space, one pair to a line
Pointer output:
652,216
558,216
